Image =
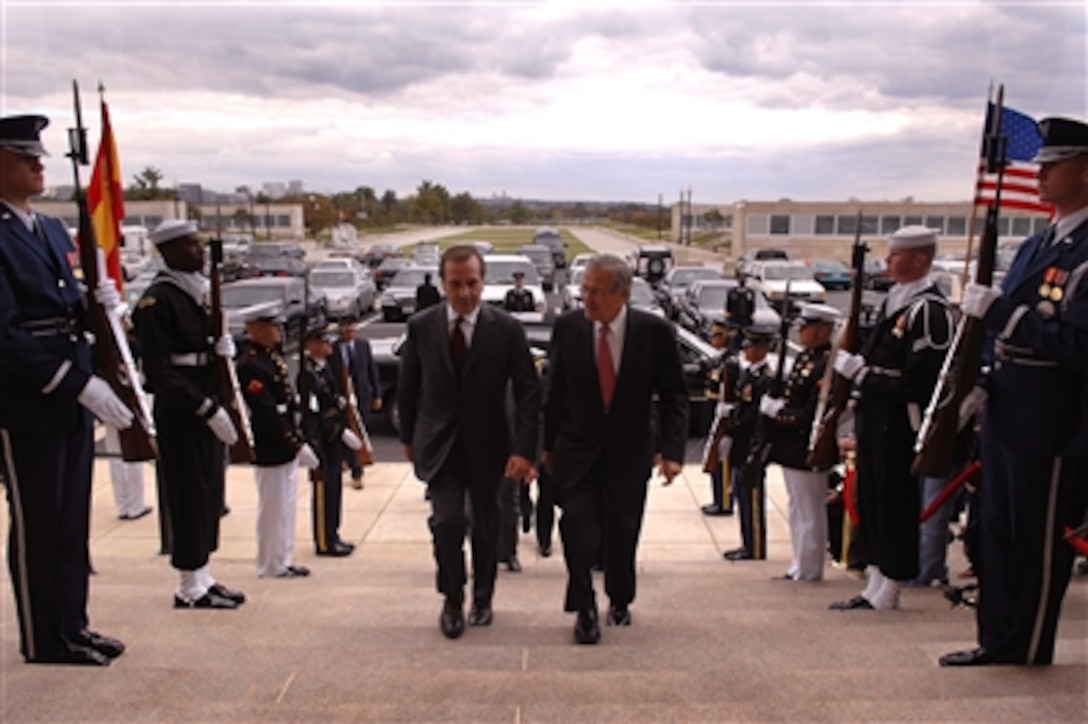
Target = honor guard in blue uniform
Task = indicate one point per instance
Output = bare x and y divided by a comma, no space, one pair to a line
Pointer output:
48,392
1035,427
893,376
174,330
329,434
280,448
793,415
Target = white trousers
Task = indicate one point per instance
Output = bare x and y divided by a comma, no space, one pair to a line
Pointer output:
127,478
808,523
277,496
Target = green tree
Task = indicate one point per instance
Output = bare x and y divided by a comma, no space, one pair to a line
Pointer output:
466,210
145,186
518,213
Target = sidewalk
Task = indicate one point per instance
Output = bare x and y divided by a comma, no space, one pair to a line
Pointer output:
358,640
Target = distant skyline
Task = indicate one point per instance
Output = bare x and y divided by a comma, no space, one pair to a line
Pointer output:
548,100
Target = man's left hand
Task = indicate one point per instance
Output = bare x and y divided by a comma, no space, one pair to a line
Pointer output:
224,347
669,469
518,468
977,299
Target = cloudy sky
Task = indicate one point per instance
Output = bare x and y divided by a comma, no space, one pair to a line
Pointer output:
555,100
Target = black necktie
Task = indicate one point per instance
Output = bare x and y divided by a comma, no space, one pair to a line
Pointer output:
1049,237
39,231
458,349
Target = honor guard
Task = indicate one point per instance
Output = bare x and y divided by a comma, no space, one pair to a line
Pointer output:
717,445
893,378
174,329
279,445
1035,430
519,299
756,370
48,393
327,430
793,415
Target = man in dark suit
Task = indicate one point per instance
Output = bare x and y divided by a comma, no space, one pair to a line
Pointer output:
427,294
48,393
354,353
602,434
457,364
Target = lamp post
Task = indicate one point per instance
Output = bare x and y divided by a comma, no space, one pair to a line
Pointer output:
660,200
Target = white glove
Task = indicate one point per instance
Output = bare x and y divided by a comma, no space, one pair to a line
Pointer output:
106,294
351,440
307,458
222,427
771,406
725,409
977,298
224,347
848,365
99,398
725,446
972,403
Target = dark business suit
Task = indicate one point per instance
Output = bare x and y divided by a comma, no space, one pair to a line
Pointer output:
458,429
602,460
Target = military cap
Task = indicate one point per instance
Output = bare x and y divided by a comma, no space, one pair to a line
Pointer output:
172,229
818,313
519,275
324,332
1062,138
913,237
264,312
21,134
759,332
348,319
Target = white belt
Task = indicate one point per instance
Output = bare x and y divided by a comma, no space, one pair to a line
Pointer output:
885,371
281,409
189,359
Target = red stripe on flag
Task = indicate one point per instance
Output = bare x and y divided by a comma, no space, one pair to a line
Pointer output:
106,200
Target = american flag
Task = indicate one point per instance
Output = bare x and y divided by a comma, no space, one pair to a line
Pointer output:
1020,184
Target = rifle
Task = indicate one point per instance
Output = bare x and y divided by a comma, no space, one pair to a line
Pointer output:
935,445
711,457
365,454
763,439
228,391
823,448
305,389
113,356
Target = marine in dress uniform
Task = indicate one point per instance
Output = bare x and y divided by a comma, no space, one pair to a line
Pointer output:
1034,434
793,415
328,432
279,445
48,391
519,299
174,330
893,376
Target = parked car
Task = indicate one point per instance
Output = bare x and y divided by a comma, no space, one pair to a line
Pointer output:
277,248
541,257
551,238
276,258
755,255
484,247
671,290
579,261
377,253
643,297
288,292
772,278
389,268
652,262
831,273
399,297
499,279
571,296
876,275
704,301
426,253
349,289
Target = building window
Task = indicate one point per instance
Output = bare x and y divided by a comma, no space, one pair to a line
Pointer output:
757,224
283,221
848,225
889,224
957,226
1021,226
912,221
780,224
152,220
825,225
936,223
1040,224
870,225
1003,226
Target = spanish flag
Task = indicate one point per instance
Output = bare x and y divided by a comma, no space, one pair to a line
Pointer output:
106,200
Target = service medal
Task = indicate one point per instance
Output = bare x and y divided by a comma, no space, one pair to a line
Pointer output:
1056,294
1044,290
1045,309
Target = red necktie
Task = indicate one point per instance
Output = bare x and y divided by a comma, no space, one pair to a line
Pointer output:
606,373
457,346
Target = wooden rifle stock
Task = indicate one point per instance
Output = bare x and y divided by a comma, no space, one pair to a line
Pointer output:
226,376
365,454
935,446
763,439
712,458
113,356
311,430
823,447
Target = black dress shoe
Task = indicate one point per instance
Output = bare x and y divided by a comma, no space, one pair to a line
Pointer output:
208,600
452,620
223,592
855,603
480,615
972,657
73,654
619,616
737,554
136,516
783,577
108,646
545,550
513,564
586,628
711,509
294,572
338,550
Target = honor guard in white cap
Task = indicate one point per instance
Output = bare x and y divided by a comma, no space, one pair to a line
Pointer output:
893,376
177,345
1035,430
49,398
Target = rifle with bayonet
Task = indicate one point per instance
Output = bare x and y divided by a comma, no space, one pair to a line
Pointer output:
228,391
763,439
113,356
823,445
935,446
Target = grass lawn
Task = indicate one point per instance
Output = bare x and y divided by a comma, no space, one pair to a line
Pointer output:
508,239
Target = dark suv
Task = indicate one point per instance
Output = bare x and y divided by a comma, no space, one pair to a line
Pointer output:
652,262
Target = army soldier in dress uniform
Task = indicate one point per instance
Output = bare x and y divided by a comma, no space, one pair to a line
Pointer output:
329,433
48,392
519,299
793,415
893,377
279,445
756,372
1034,432
173,327
716,447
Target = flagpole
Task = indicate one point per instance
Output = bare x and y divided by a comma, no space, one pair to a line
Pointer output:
974,196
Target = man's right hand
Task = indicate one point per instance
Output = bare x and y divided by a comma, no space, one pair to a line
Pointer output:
222,427
307,458
99,398
407,452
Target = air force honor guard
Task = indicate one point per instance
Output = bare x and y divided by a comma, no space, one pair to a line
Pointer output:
1035,429
48,391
